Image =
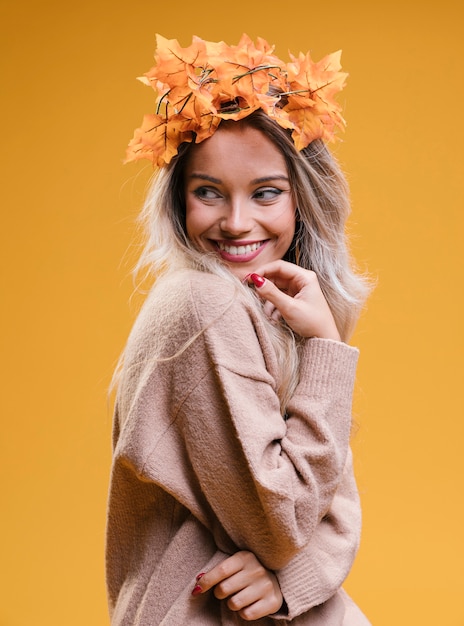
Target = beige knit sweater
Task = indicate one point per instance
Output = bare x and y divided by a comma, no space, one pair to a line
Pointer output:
205,465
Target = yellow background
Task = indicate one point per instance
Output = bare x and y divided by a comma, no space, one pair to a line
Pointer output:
69,103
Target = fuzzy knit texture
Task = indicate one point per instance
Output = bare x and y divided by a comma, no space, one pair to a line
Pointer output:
205,465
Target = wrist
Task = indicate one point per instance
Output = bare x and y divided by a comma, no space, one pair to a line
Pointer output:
326,332
333,335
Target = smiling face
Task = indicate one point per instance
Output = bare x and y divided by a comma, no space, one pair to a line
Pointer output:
238,199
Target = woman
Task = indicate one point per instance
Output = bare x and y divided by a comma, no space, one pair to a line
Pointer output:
232,493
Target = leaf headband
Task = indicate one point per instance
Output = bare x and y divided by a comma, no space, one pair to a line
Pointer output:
199,86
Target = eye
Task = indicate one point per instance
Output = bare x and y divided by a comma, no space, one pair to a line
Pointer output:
206,193
267,194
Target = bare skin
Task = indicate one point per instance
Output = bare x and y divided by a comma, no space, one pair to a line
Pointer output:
241,209
294,293
246,586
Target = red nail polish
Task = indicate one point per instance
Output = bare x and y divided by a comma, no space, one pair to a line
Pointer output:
200,576
257,280
196,590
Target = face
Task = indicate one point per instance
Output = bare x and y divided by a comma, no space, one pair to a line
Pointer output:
239,203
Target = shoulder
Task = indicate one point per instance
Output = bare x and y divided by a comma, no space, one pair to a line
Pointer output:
189,302
197,316
194,294
224,318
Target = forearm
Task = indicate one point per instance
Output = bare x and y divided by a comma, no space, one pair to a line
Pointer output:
320,568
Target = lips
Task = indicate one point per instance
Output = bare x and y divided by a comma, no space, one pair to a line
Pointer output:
239,252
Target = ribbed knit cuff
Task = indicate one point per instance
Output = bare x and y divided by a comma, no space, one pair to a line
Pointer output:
297,585
326,366
302,587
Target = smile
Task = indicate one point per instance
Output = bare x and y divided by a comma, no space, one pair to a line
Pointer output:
239,252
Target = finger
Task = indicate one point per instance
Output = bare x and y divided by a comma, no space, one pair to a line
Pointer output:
269,310
271,292
283,273
257,610
246,580
260,590
244,586
283,268
225,569
244,598
232,586
289,283
257,601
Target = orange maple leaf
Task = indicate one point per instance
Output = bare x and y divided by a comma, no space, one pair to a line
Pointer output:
206,82
157,139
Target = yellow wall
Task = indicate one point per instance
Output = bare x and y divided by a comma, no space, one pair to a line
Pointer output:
69,104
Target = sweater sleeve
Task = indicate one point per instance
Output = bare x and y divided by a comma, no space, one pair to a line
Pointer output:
317,572
267,482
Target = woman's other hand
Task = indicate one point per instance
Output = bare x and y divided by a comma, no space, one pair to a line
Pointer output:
295,294
244,584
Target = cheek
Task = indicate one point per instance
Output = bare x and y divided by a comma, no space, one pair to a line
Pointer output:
193,220
287,224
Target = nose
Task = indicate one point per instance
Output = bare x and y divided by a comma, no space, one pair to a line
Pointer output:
237,218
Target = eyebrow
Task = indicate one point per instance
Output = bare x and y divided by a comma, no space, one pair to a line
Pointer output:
256,181
210,179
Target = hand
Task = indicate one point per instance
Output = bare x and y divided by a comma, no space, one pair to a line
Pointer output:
249,588
296,295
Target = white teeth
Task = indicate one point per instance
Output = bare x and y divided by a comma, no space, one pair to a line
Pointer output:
239,250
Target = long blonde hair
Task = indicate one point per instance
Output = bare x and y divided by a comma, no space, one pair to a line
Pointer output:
321,196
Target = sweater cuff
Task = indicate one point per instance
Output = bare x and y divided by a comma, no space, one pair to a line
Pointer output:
327,365
296,585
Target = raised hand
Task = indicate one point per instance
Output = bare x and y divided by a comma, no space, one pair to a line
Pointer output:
295,294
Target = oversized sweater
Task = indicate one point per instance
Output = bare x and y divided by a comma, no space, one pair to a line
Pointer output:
205,465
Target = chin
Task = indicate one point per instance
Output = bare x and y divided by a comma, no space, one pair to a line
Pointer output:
239,272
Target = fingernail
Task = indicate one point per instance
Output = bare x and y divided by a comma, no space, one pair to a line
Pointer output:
196,590
257,280
200,576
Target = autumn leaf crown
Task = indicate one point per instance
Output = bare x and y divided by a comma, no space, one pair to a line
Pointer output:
199,86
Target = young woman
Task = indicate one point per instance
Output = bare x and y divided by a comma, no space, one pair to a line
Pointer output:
232,493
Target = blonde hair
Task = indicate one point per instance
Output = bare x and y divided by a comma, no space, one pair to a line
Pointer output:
322,200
